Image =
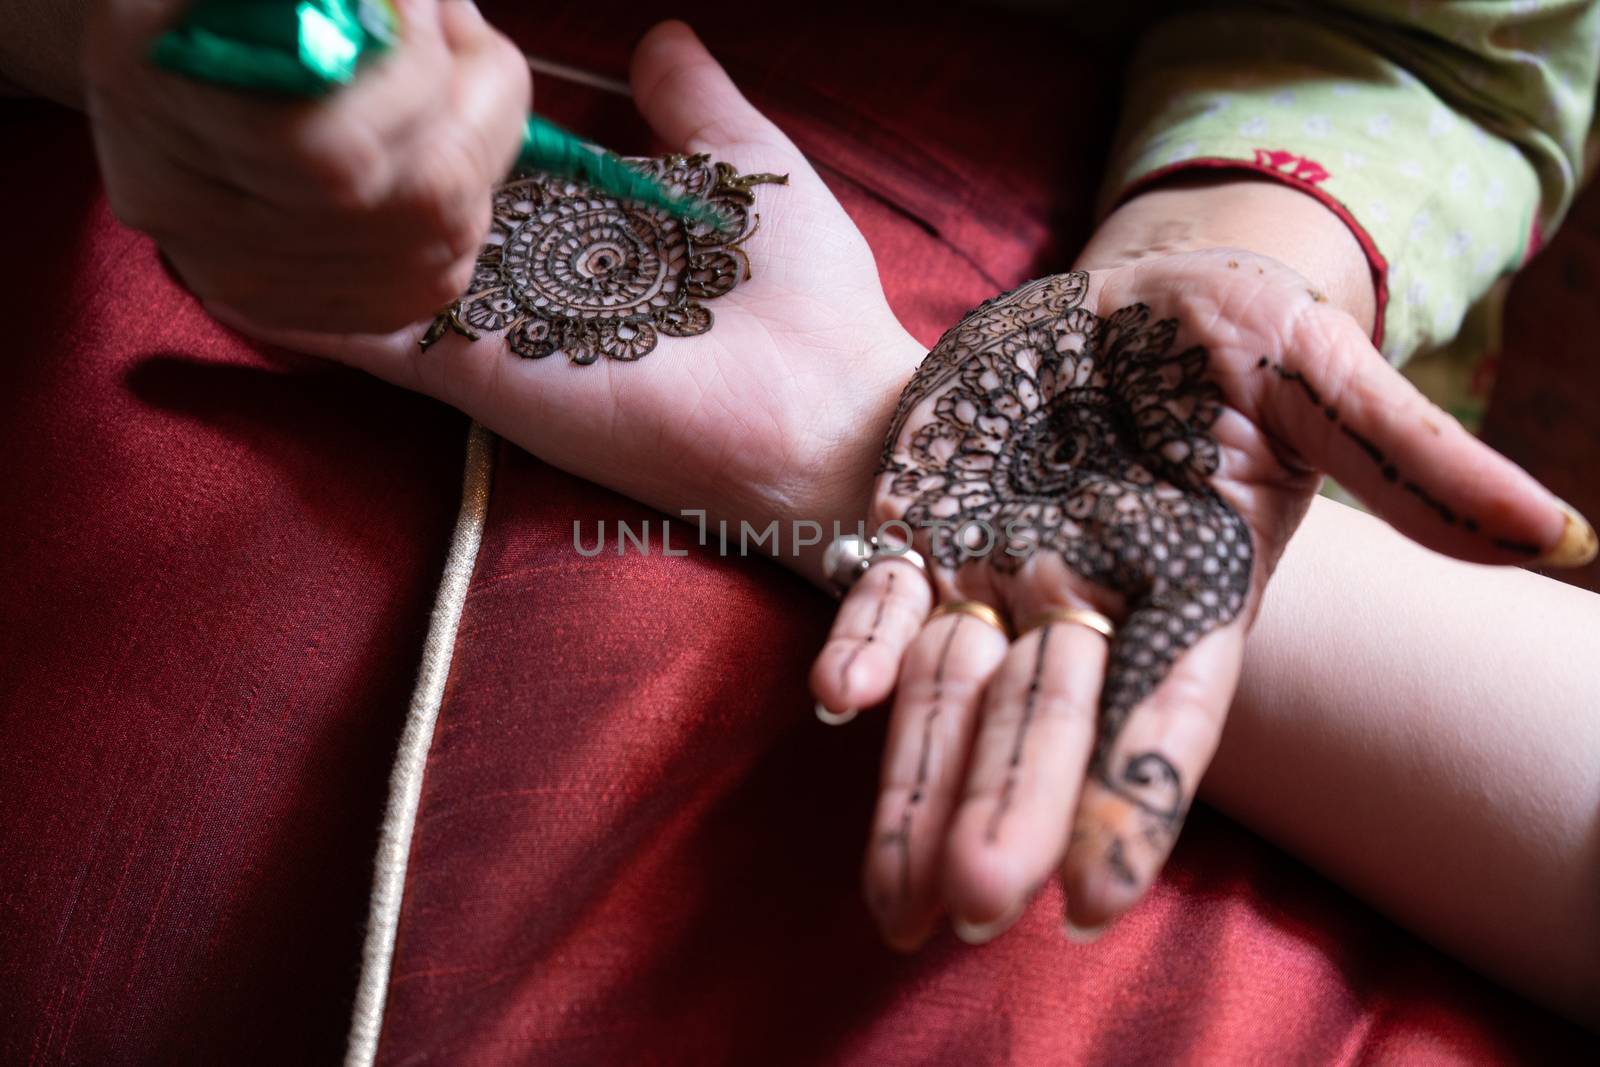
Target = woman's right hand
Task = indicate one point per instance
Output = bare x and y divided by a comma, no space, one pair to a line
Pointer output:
358,211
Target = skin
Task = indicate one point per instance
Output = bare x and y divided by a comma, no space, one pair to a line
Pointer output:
745,421
1065,813
363,211
1423,731
755,401
1304,725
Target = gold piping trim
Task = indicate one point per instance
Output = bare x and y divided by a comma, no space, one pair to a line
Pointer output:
405,781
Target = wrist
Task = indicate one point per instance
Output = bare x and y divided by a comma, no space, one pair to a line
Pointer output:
844,469
1189,213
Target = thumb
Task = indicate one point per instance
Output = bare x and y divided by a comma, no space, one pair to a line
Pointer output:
1350,413
693,106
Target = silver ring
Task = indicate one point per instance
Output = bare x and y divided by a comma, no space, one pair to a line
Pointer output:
847,558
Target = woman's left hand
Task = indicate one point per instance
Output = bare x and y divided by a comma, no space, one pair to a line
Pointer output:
1113,462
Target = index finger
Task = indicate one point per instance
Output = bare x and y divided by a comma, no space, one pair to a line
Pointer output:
1156,735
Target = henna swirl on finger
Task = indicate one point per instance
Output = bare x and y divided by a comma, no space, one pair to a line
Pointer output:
1056,430
569,269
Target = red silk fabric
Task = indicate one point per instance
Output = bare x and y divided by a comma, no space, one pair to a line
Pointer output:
215,580
635,842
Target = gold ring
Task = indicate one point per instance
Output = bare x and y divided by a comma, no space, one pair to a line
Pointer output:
977,609
1082,616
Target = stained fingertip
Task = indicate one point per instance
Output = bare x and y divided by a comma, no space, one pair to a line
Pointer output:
1095,896
902,939
1577,545
1102,881
907,948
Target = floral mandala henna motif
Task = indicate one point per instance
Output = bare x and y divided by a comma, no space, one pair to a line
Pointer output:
568,269
1036,302
1056,430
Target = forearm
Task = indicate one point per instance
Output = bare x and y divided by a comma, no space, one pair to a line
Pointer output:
41,46
1424,732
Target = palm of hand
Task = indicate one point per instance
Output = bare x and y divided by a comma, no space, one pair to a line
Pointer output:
1140,442
737,420
1088,438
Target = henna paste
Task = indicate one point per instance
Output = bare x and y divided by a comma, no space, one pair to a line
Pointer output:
1089,438
568,269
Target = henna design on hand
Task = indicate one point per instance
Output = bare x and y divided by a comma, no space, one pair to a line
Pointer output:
1390,472
1030,703
1087,437
569,269
1036,302
900,837
872,631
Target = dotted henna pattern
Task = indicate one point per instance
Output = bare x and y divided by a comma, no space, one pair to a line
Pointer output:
1056,430
569,269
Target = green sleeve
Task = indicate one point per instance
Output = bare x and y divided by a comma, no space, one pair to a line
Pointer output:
1449,135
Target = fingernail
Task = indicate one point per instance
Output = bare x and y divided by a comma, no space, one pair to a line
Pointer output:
1578,544
835,718
982,933
1082,935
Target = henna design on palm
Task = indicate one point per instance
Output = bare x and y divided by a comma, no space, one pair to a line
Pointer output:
1036,302
569,269
1056,430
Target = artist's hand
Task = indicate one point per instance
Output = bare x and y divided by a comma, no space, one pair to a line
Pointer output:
1138,442
775,412
361,211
